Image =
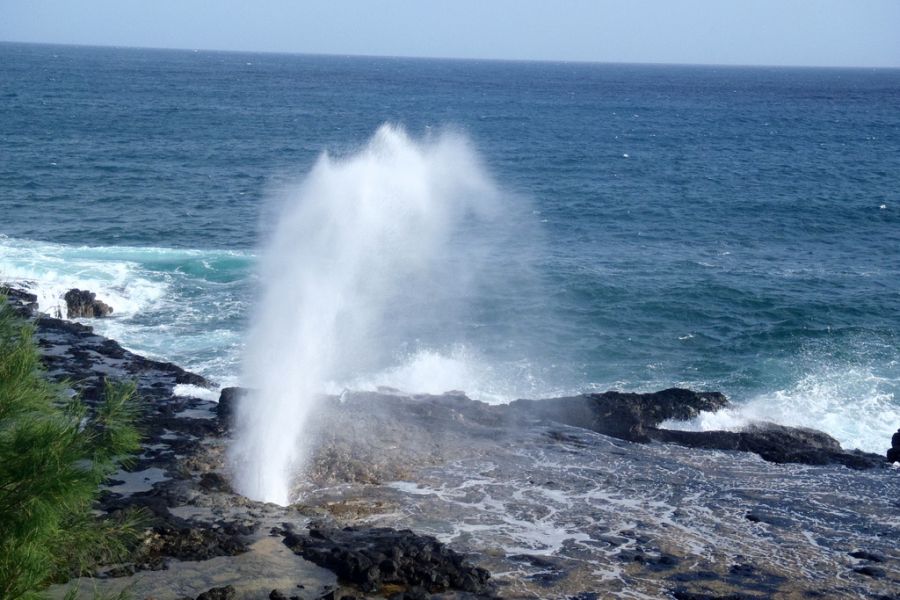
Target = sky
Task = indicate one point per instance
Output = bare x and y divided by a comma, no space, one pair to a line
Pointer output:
744,32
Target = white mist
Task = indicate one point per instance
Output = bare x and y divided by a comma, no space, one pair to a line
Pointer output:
359,235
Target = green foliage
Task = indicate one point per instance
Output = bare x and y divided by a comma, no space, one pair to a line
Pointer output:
54,454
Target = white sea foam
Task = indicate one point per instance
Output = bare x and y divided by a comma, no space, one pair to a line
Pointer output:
426,372
130,279
194,391
50,270
169,304
850,403
456,369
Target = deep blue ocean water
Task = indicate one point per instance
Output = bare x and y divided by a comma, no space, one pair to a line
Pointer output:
735,229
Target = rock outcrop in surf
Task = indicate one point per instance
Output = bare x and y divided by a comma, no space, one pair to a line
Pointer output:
83,304
632,417
893,454
637,417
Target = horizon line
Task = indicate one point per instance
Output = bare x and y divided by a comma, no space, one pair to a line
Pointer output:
449,58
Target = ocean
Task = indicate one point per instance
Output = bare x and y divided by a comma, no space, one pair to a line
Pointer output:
650,226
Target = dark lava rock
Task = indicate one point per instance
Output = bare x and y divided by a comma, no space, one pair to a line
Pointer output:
869,571
689,576
742,570
869,556
893,455
185,543
340,595
636,418
663,562
627,416
623,415
81,360
683,594
226,409
220,593
757,516
276,595
371,558
24,303
66,328
552,570
138,365
152,503
415,593
214,482
84,304
774,443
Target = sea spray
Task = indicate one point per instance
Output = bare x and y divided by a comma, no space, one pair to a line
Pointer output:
369,251
851,402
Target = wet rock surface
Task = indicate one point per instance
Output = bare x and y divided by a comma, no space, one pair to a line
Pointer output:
636,417
893,454
375,559
83,304
221,593
775,443
190,543
630,417
24,303
561,510
582,497
226,408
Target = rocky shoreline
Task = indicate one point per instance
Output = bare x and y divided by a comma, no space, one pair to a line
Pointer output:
446,497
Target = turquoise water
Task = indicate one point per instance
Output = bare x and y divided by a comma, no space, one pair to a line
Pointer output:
735,229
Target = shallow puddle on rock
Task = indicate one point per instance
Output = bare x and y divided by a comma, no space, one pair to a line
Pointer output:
196,413
268,565
137,481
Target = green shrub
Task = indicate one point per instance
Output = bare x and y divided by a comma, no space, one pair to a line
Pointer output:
54,454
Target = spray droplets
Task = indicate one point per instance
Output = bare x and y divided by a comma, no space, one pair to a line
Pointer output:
366,250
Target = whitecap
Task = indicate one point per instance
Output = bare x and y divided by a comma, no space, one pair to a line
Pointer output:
850,403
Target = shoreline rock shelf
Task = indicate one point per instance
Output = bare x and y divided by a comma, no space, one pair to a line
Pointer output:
579,497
